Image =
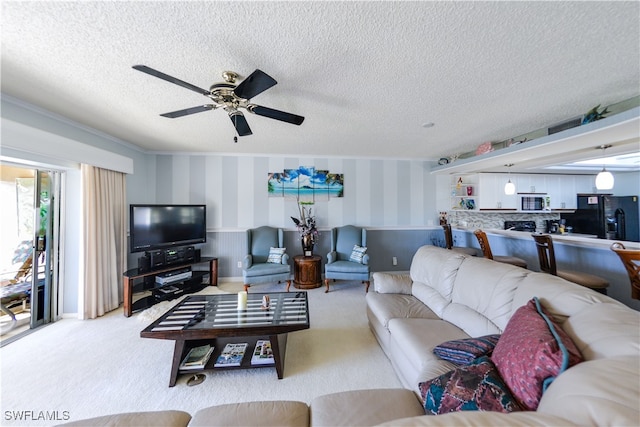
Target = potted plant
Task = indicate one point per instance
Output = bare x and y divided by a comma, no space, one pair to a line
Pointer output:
306,225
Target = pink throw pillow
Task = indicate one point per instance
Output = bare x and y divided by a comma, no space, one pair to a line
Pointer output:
531,352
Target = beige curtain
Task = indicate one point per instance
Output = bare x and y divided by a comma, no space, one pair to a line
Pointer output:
104,239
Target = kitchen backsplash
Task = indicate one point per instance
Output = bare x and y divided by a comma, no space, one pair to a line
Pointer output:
488,220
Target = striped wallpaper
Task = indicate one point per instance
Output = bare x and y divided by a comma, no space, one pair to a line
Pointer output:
377,193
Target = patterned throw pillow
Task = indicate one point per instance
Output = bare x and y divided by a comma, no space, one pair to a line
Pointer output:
275,255
465,351
531,352
358,253
475,387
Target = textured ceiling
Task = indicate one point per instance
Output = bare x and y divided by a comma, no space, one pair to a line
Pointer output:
366,75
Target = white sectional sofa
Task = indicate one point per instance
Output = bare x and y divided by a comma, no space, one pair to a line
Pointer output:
450,296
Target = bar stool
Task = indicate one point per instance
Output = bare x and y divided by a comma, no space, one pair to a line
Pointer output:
631,260
448,239
547,258
483,240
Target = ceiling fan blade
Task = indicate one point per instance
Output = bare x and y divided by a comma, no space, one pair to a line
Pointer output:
255,84
187,111
276,114
240,123
170,79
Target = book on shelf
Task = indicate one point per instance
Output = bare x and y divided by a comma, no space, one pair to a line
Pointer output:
231,355
262,354
197,357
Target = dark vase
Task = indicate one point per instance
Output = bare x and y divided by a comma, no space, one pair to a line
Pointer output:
307,244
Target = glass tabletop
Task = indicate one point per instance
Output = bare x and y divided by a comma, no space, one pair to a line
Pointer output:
220,311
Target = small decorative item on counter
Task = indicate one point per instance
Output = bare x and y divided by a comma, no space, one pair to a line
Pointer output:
459,183
469,191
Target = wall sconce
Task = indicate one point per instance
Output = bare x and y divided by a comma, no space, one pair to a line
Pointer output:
604,179
509,187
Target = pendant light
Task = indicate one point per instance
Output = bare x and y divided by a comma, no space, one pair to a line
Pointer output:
509,187
604,179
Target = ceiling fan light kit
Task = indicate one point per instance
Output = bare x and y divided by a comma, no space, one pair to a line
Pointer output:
230,97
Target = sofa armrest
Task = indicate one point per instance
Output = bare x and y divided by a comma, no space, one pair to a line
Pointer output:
331,257
285,259
247,262
387,283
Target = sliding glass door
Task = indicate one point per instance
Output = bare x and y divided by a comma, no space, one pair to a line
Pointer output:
30,249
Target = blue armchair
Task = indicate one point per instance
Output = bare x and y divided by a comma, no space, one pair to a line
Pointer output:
340,264
256,265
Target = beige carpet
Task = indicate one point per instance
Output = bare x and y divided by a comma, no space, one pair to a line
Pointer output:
97,367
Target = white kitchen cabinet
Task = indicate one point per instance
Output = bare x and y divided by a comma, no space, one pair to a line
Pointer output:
585,184
561,189
556,186
530,183
492,192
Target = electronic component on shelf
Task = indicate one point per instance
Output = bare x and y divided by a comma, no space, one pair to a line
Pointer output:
174,276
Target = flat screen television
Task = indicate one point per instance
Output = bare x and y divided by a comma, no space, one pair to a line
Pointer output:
166,226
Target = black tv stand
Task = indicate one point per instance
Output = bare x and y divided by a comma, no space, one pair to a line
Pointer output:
194,284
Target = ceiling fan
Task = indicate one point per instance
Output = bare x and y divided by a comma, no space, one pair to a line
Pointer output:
230,97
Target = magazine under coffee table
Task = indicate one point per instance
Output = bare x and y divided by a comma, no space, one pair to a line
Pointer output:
216,320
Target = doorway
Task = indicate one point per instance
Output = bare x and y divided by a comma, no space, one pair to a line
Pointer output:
29,249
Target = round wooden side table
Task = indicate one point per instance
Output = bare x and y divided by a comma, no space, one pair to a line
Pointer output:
307,273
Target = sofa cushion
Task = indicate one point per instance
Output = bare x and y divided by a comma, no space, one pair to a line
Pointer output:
411,346
465,351
136,419
390,306
265,269
275,255
602,392
475,387
531,352
482,295
364,407
346,267
592,330
560,298
285,413
436,269
387,283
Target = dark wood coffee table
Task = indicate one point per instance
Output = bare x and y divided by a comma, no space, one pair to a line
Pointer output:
215,320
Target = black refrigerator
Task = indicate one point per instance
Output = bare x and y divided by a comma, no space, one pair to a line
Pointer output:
608,217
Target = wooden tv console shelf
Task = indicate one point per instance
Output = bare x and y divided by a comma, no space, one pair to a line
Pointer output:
130,276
